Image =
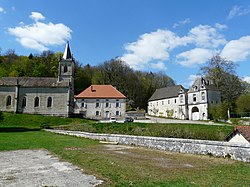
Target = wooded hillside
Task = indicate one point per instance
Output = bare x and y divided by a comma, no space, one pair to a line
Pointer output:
138,86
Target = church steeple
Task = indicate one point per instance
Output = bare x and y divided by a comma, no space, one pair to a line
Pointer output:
66,66
67,53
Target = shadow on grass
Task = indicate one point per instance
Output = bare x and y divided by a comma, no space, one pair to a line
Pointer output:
17,129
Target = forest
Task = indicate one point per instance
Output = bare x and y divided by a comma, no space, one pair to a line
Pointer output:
137,86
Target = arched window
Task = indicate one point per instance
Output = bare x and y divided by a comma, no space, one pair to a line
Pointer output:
8,102
65,68
24,102
36,102
49,102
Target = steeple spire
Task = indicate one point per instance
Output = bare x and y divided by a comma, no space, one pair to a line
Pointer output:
67,54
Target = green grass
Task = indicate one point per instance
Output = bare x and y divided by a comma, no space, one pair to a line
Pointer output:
122,167
187,131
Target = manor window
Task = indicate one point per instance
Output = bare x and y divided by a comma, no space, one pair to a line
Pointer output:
24,102
49,102
202,96
97,103
194,97
181,99
8,102
36,102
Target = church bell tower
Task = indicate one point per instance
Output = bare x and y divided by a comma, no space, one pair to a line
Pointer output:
66,66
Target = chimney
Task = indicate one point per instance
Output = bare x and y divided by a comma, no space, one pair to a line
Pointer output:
92,88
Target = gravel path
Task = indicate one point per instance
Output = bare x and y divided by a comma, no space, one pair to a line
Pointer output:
31,168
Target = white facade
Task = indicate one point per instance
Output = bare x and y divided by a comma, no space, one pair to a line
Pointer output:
104,108
238,138
178,103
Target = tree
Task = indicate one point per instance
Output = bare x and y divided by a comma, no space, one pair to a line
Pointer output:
243,103
222,73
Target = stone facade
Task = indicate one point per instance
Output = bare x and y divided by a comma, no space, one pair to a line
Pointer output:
41,95
177,102
235,151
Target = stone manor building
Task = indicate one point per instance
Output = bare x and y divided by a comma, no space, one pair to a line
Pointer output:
177,102
41,95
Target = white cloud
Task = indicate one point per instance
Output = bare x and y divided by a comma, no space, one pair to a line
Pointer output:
183,22
237,50
194,57
206,36
238,11
40,36
220,26
157,46
159,66
149,47
36,16
2,10
247,79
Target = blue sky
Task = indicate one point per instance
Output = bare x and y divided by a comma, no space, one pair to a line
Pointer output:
173,36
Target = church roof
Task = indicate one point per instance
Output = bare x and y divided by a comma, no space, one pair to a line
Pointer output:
67,53
32,82
243,130
101,91
167,92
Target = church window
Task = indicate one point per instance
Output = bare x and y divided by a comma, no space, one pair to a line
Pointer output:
65,68
36,102
24,102
49,102
202,96
8,102
194,97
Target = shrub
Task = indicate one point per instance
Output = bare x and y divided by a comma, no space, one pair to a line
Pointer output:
1,116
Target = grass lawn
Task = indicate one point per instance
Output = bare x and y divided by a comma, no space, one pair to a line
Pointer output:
122,165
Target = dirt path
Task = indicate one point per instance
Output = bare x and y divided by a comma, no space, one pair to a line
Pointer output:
40,168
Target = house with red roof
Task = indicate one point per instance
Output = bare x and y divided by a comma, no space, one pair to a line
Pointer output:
100,102
240,134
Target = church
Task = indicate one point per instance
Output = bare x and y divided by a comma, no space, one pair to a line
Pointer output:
41,95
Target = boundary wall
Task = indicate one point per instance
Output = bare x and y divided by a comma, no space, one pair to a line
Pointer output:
235,151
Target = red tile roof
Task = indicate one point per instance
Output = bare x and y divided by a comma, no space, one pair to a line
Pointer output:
101,91
244,131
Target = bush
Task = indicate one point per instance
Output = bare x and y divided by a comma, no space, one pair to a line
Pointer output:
1,116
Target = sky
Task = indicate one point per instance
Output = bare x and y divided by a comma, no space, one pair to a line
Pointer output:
176,37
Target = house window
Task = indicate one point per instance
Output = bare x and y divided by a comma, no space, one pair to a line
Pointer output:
82,105
8,102
194,97
107,105
168,101
117,113
24,102
174,100
97,113
202,96
117,105
156,103
97,103
49,102
36,102
162,103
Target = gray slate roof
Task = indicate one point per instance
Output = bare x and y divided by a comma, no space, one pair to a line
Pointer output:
199,82
167,92
32,82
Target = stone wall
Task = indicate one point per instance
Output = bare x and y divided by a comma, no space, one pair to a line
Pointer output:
234,151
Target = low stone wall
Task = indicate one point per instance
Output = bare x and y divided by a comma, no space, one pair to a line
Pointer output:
234,151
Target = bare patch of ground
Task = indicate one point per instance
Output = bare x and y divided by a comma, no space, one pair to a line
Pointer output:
40,168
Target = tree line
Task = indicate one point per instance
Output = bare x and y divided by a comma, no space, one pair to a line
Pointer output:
138,86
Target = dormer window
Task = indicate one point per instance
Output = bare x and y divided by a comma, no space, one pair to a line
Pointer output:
195,88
